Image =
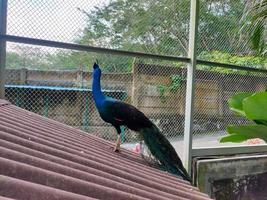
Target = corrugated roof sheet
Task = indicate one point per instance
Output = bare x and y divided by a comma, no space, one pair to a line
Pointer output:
44,159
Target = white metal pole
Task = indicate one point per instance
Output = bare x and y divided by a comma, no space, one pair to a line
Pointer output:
3,20
190,85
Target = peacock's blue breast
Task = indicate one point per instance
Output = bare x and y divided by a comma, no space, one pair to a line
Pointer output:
104,112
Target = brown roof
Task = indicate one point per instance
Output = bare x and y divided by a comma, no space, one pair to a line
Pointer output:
44,159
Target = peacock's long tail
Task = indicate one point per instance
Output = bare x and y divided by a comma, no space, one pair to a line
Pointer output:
163,151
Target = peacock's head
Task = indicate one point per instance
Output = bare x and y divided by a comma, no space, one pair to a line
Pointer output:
97,70
96,66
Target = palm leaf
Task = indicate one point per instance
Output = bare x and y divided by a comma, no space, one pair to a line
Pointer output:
258,16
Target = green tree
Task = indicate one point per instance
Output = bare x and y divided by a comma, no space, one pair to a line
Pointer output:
162,26
84,60
159,27
140,25
253,61
27,57
219,27
13,60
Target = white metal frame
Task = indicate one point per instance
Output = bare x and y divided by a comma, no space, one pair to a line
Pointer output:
190,85
229,150
191,60
3,22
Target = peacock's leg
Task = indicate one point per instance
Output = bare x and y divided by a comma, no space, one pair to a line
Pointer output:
118,142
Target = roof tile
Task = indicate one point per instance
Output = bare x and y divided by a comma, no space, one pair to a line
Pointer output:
50,160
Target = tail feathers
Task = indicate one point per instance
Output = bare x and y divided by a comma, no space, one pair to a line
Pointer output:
182,172
163,151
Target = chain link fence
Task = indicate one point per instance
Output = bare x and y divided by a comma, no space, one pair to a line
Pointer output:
51,20
155,87
211,110
224,33
224,37
56,83
145,26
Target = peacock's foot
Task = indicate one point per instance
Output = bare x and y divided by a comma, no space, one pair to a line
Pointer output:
118,144
117,148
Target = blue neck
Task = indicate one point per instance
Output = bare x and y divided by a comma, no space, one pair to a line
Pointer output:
97,93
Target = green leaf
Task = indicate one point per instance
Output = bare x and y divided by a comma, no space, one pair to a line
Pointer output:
257,35
244,132
234,138
255,107
235,102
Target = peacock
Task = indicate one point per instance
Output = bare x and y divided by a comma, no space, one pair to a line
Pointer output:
119,113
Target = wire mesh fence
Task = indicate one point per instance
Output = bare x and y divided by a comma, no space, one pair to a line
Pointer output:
224,33
211,110
220,27
37,78
64,93
157,88
56,83
51,20
145,26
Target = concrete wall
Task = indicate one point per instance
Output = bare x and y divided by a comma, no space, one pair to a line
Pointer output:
212,89
142,88
237,177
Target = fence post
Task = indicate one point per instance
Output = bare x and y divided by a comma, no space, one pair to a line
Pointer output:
23,76
79,79
3,18
136,84
190,85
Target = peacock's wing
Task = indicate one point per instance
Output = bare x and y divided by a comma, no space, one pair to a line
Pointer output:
126,114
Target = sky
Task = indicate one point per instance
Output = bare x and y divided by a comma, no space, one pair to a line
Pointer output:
57,20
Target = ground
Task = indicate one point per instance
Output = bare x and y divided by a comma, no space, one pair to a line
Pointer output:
198,141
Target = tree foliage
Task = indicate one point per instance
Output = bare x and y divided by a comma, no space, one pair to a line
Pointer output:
162,27
159,27
256,19
253,61
27,57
